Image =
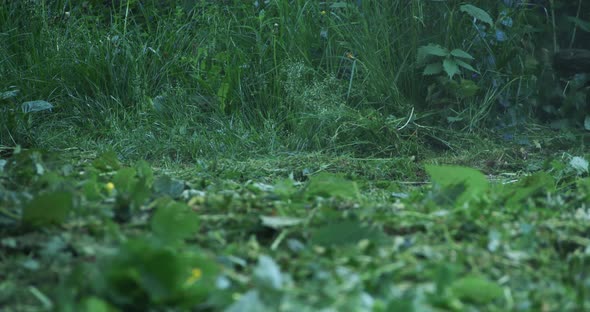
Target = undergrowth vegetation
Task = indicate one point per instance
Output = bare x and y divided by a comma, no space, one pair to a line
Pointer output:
294,155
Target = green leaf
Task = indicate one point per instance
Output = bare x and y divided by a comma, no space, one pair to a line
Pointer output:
124,179
147,274
174,221
48,208
587,122
537,184
432,49
467,88
465,65
165,185
107,161
145,172
476,289
450,67
345,232
433,69
462,54
331,185
477,13
474,182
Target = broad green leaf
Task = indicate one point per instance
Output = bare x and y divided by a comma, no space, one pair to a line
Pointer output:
467,88
48,208
432,49
285,188
450,67
147,274
462,54
433,69
165,185
125,180
474,182
476,289
174,221
477,13
331,185
466,65
344,232
107,161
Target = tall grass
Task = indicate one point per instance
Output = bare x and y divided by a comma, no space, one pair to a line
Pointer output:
278,75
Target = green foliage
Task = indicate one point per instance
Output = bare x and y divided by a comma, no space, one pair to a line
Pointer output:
48,208
372,86
476,288
449,63
144,274
331,243
330,185
477,13
459,184
174,222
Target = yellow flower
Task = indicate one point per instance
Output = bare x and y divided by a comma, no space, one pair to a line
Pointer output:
196,275
349,55
323,12
110,186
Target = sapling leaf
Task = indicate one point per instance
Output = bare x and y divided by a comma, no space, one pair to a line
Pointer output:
477,13
465,65
462,54
450,67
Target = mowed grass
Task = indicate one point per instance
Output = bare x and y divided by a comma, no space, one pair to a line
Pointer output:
283,156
